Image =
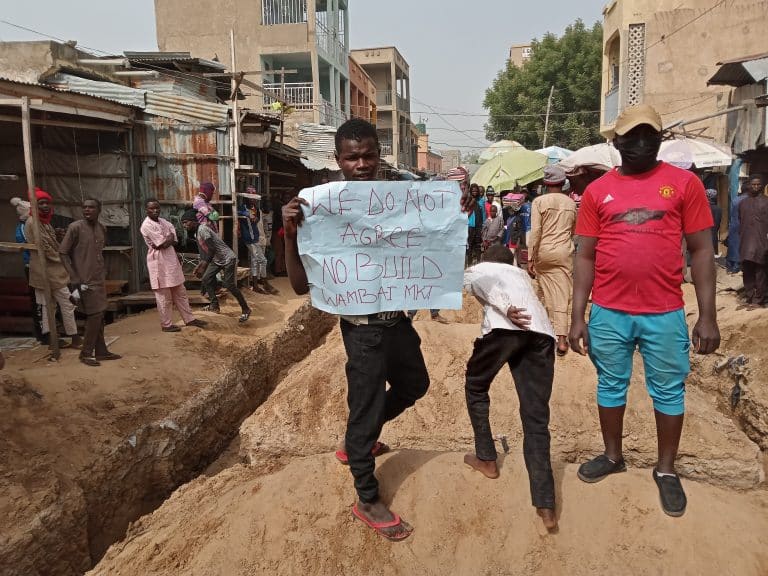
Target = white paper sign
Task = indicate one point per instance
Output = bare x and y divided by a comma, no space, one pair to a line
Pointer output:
371,247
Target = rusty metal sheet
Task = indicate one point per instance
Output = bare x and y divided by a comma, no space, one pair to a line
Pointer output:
175,158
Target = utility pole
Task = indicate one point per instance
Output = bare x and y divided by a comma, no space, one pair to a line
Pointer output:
26,134
234,147
282,106
546,120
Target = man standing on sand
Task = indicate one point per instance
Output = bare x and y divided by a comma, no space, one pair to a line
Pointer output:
753,219
166,277
516,332
56,275
81,253
631,224
550,250
380,348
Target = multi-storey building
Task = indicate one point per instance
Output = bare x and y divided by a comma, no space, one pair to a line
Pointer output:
310,37
662,52
362,93
389,71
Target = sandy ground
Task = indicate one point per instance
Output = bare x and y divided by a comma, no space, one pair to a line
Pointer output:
288,512
57,418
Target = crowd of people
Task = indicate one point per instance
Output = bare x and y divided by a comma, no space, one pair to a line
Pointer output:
644,209
69,263
75,273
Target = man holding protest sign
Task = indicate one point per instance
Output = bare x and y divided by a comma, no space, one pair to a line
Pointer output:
383,346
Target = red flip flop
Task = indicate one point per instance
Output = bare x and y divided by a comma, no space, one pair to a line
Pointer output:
379,526
378,449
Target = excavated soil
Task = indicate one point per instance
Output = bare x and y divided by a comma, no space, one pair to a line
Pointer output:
85,451
287,510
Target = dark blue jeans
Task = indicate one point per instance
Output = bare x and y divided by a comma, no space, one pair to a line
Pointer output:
531,359
377,355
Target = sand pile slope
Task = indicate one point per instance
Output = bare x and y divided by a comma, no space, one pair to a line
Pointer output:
289,511
297,521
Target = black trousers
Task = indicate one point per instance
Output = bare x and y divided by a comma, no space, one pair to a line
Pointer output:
531,359
377,355
93,339
755,281
229,280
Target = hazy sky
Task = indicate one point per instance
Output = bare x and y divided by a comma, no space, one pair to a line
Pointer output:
454,48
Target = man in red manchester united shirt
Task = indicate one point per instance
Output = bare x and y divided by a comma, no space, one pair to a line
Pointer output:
631,223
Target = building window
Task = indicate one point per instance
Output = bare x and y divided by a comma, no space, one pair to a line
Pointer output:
283,12
635,64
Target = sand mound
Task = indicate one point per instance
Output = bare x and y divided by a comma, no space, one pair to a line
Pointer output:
297,521
307,413
289,511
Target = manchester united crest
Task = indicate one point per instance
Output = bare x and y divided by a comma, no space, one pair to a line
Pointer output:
666,191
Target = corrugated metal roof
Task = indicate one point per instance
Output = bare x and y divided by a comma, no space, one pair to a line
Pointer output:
186,109
105,90
172,58
183,108
56,88
317,146
741,72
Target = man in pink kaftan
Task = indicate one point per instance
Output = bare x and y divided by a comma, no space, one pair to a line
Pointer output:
165,274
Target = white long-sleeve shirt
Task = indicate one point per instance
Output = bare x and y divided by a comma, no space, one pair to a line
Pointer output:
500,286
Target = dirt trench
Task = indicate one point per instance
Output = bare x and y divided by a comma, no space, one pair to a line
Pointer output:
86,516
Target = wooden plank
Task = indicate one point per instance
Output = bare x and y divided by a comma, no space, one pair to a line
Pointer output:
26,134
64,124
16,247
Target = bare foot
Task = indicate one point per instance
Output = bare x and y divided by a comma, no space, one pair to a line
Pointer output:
548,518
487,467
378,513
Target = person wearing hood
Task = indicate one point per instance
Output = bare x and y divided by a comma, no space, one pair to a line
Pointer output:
206,213
22,211
550,250
56,275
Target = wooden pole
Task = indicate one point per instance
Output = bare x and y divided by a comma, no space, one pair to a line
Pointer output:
546,120
234,147
282,106
26,133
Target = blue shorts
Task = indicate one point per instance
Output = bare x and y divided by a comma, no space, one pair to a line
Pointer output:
663,342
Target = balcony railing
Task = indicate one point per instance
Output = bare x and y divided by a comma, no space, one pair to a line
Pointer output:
330,115
297,94
283,12
611,110
329,42
385,98
386,147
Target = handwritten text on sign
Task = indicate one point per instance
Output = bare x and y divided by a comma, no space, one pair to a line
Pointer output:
372,247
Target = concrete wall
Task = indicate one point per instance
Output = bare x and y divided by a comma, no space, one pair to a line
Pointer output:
204,30
682,53
28,61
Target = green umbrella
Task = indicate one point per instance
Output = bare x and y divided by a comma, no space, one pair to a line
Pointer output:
514,168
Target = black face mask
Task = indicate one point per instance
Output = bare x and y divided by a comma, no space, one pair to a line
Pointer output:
638,154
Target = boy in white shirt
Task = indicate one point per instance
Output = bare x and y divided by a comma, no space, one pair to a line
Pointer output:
517,332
